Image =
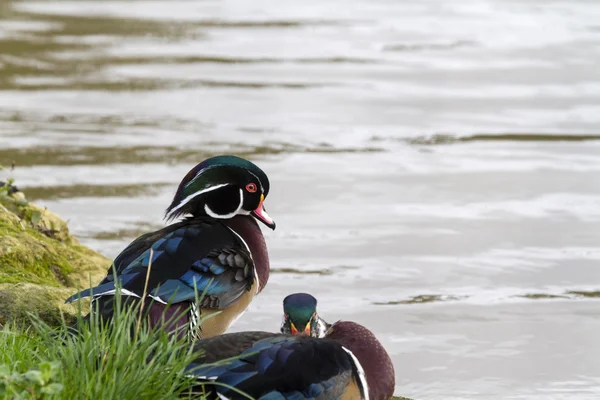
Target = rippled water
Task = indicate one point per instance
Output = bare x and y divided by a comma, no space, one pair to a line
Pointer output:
434,164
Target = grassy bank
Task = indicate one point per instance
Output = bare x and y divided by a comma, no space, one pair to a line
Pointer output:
48,363
42,362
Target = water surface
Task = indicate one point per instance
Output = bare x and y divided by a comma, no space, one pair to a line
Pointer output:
434,164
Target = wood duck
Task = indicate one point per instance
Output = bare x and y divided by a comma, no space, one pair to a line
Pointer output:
347,363
217,253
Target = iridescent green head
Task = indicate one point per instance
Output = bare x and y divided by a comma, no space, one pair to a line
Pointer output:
300,316
222,187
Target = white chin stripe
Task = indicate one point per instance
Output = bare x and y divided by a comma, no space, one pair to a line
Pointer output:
321,328
193,195
361,374
282,324
213,214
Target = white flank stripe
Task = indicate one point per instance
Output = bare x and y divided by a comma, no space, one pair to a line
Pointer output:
190,197
222,397
361,373
124,292
156,298
233,321
208,378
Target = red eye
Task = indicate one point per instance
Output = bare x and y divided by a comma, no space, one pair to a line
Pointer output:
251,187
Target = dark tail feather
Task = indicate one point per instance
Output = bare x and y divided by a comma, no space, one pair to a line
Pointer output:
105,288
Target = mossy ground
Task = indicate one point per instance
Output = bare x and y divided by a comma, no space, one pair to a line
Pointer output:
41,264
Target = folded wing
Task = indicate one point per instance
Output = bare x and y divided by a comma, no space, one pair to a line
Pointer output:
275,367
184,261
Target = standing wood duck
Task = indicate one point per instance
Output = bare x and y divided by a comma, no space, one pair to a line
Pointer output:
347,363
217,253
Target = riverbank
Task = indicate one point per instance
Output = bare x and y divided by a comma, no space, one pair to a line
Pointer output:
42,263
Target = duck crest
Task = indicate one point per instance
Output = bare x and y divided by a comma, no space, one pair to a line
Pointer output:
249,231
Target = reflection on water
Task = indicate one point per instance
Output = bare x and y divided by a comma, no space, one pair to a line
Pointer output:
434,165
508,137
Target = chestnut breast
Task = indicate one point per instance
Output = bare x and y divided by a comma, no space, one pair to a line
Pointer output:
248,229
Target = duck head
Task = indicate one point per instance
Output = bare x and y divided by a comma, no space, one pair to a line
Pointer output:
222,187
300,316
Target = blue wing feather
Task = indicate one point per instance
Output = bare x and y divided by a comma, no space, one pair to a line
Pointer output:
186,261
173,291
102,288
282,368
272,396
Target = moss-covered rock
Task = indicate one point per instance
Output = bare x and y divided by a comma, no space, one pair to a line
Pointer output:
41,264
17,300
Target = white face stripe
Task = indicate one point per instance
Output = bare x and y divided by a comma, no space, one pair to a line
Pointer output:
203,170
193,195
259,182
361,374
225,216
197,175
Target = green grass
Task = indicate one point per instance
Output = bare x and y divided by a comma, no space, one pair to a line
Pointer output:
102,361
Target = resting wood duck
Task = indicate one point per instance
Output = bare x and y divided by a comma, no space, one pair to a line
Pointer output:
347,362
217,253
